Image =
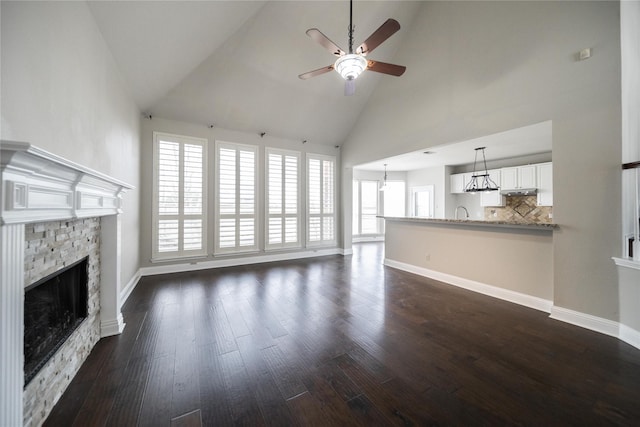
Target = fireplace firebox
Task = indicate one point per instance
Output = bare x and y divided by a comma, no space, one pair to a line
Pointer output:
53,308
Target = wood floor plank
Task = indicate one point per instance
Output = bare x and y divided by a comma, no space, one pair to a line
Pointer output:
156,404
216,408
337,340
394,408
190,419
239,388
286,377
128,399
224,339
272,405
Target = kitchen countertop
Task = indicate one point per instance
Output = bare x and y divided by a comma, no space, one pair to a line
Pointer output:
474,223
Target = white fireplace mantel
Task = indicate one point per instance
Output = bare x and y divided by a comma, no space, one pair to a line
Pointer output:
38,186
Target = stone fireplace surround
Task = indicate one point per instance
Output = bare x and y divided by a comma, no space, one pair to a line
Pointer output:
56,197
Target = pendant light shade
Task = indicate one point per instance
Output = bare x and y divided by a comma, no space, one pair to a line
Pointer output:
480,181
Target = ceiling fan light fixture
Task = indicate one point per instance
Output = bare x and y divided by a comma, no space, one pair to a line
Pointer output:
350,66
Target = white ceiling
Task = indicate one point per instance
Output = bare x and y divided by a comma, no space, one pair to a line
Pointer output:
234,64
524,141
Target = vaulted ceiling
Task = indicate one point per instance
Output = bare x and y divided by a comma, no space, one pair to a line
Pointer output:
235,64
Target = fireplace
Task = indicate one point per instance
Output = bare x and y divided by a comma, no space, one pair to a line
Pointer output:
53,213
53,308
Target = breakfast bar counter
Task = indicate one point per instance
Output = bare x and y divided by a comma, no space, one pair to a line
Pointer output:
475,223
511,261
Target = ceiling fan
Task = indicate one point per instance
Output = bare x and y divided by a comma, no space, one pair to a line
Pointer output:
351,65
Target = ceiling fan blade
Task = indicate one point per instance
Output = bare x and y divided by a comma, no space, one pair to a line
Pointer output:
385,31
317,72
385,68
324,41
349,87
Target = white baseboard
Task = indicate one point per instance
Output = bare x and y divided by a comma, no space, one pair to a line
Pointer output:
346,252
111,327
587,321
493,291
236,261
630,336
368,239
129,287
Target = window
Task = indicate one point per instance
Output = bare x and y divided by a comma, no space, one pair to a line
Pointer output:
365,206
282,203
321,213
236,201
422,201
179,208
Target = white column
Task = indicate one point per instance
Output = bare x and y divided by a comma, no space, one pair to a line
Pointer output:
111,322
11,324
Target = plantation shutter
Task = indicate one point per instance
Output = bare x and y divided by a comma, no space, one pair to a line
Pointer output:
283,213
179,196
321,199
236,201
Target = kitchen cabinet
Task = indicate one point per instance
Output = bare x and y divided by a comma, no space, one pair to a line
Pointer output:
544,174
518,177
493,198
459,181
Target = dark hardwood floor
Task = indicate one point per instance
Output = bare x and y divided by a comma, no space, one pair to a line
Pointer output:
344,341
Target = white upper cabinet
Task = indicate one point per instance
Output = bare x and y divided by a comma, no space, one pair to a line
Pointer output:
527,176
493,198
545,184
509,178
459,181
518,177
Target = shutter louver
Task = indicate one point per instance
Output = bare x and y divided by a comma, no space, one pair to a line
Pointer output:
168,178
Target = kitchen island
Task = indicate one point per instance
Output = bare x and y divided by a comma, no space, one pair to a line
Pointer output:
511,261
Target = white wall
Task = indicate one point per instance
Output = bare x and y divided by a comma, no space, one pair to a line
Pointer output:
435,176
478,68
203,131
630,52
62,92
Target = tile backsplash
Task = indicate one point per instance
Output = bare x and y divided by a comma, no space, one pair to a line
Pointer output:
520,209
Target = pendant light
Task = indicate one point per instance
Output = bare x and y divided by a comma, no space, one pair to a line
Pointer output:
480,181
384,183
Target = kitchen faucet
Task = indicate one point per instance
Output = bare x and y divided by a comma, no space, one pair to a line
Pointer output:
465,211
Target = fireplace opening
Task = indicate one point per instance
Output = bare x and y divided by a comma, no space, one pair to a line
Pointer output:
53,308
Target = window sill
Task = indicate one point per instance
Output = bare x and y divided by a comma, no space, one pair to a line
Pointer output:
235,254
178,258
627,262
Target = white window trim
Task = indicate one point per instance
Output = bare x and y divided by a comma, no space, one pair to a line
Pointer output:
317,243
180,254
431,189
283,215
245,249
